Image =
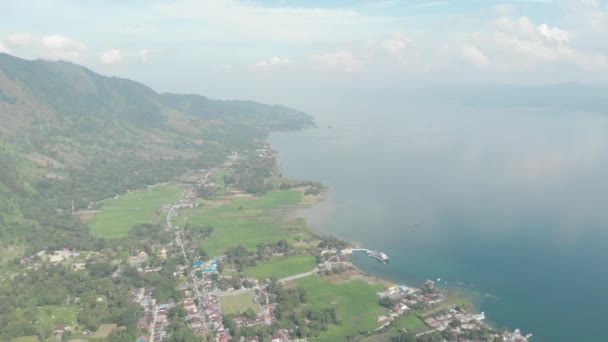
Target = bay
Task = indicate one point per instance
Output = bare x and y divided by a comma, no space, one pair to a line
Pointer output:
510,202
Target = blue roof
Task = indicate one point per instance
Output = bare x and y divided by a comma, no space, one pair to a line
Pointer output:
197,263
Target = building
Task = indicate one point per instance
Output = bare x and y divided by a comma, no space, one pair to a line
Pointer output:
138,260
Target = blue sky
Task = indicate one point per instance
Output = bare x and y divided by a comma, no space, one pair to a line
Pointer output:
254,48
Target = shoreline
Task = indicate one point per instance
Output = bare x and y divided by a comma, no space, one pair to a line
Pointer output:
470,304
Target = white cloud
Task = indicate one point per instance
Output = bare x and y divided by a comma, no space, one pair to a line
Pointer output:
242,21
395,46
473,55
541,46
20,39
339,61
553,34
430,4
272,63
112,56
61,47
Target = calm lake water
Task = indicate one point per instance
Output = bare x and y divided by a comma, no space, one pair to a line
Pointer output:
513,203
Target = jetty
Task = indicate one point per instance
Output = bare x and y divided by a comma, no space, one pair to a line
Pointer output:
382,257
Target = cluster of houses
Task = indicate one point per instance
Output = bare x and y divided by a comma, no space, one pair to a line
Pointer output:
456,320
334,267
195,318
155,318
406,298
213,314
409,297
516,336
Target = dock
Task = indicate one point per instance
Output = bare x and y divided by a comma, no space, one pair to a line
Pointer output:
381,257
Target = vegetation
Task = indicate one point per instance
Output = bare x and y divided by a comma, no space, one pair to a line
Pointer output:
238,304
119,214
281,267
245,221
412,323
70,138
355,303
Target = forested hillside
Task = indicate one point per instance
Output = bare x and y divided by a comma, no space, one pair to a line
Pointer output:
69,136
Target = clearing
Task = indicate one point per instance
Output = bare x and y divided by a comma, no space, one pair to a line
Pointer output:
356,303
412,323
281,267
247,221
50,316
142,206
104,331
238,303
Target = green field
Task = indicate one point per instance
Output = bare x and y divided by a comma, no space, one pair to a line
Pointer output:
142,206
238,303
218,179
356,302
282,267
412,323
244,221
51,316
32,338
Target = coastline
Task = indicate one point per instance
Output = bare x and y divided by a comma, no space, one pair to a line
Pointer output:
465,295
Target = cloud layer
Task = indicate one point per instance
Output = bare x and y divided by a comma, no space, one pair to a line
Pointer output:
561,40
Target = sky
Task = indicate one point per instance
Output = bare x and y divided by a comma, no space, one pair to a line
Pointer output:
271,49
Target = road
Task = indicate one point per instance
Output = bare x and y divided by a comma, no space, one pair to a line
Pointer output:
153,324
298,276
178,238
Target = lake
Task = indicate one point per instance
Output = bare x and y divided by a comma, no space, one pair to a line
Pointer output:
510,202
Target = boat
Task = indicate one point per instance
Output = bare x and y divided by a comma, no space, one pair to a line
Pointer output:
382,257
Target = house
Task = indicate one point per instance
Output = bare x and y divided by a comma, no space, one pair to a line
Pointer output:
138,260
60,329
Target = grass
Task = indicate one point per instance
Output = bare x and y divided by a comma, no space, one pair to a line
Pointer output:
244,221
218,179
412,323
238,303
32,338
141,206
10,252
51,316
282,267
104,331
355,301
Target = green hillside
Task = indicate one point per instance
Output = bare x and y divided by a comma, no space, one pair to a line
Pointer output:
71,137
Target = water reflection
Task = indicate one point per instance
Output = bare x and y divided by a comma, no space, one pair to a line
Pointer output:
509,200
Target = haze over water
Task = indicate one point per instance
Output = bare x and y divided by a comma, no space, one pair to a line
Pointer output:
510,202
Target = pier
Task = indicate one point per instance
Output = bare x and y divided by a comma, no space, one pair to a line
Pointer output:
382,257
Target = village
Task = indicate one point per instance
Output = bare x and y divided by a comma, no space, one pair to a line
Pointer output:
206,290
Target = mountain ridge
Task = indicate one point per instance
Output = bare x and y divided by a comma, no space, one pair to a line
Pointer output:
71,136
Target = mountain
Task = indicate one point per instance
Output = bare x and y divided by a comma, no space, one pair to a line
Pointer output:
69,135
